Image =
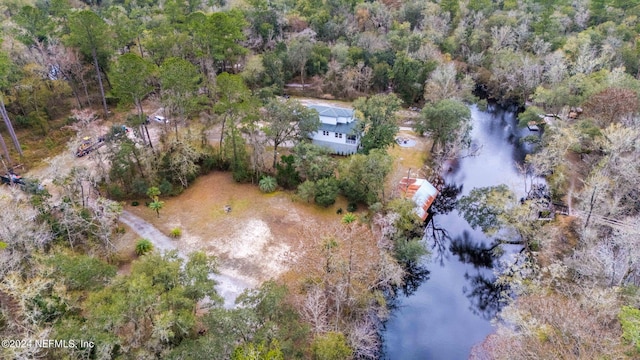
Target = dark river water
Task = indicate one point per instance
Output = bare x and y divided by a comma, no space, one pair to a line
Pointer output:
451,310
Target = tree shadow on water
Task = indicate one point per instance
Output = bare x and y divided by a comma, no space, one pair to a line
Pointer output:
438,236
447,199
416,275
469,252
484,293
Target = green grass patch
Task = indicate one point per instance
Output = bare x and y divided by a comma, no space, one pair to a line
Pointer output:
37,147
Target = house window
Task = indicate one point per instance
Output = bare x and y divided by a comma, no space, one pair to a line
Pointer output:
351,139
339,135
325,133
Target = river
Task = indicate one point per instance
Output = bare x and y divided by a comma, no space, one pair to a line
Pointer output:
451,310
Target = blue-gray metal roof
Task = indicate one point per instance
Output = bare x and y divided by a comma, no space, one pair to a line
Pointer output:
348,128
331,111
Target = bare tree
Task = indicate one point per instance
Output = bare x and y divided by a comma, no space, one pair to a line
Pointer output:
581,17
365,339
587,59
443,84
502,37
314,310
23,233
613,104
555,68
85,218
18,297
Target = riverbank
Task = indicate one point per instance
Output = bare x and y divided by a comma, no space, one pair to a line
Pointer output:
455,306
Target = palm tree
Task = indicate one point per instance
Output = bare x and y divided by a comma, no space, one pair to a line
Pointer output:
143,246
156,205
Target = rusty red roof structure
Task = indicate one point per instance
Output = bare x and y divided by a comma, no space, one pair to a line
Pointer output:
421,191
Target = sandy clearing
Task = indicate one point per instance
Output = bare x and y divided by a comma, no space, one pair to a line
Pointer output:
230,284
261,236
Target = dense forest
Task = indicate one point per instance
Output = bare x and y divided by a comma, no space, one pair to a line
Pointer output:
571,293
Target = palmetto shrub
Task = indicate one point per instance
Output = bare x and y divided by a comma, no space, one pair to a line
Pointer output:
143,246
268,184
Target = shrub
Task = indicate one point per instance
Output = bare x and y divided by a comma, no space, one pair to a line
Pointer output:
630,320
175,233
352,207
49,143
307,190
135,203
139,187
326,191
349,217
376,207
143,246
165,187
268,184
331,346
115,191
241,173
208,162
287,175
409,251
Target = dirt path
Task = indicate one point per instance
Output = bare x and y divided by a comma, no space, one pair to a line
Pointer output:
229,287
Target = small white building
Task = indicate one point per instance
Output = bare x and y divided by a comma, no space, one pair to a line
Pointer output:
337,130
421,191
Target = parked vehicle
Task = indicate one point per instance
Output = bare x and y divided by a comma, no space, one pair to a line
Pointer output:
11,178
160,119
30,186
88,145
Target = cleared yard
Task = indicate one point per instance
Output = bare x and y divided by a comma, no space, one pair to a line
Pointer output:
259,238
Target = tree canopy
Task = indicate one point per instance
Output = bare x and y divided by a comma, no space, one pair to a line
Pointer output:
288,120
378,121
447,121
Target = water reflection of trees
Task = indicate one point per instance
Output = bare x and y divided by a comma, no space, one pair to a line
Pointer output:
483,292
470,252
447,200
486,295
439,238
416,275
437,235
